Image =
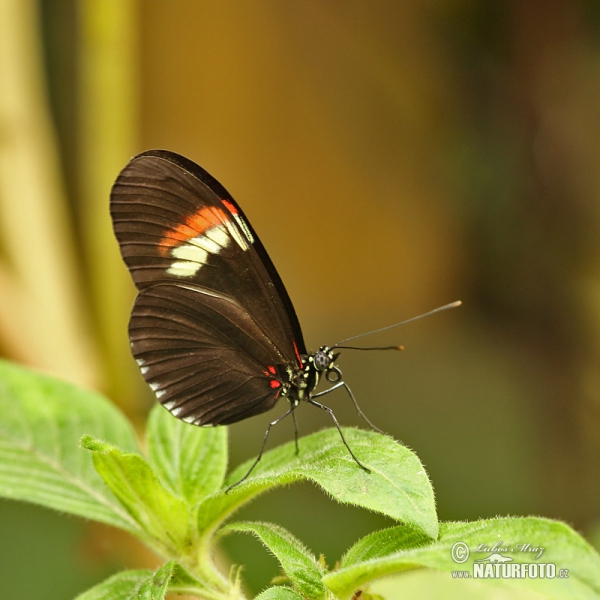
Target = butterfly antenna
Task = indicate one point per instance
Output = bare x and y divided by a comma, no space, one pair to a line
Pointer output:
431,312
370,348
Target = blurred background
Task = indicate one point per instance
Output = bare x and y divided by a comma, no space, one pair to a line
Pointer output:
393,156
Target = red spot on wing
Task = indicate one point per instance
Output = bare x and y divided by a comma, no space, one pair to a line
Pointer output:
193,226
230,207
274,383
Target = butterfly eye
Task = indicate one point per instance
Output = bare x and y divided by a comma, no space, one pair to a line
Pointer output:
322,360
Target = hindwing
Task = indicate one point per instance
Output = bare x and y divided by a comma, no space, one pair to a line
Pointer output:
203,355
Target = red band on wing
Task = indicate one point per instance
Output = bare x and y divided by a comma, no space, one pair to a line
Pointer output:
194,225
298,357
230,207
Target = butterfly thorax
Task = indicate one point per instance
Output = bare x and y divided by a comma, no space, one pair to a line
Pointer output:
303,381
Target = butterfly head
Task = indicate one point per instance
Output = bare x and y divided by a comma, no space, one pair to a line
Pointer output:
323,361
324,358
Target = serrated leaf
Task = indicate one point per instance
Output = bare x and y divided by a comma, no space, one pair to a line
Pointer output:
563,547
122,586
296,561
191,461
279,592
162,516
397,486
42,421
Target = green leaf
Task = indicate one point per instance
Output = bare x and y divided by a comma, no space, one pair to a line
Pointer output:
382,543
155,587
122,586
397,486
562,546
184,583
296,561
191,461
427,583
146,585
279,592
163,516
40,459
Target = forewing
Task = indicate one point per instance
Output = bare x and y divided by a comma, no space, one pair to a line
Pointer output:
176,224
203,355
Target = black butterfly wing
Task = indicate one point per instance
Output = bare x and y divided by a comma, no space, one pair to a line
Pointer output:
183,236
175,223
205,358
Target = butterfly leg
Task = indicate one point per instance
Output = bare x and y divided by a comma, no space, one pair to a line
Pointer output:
262,448
358,409
295,431
326,408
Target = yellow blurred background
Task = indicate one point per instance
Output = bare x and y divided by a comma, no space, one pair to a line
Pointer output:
393,156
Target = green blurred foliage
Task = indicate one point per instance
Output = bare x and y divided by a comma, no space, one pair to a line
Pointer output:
393,156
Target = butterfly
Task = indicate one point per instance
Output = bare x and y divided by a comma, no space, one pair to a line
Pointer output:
213,329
